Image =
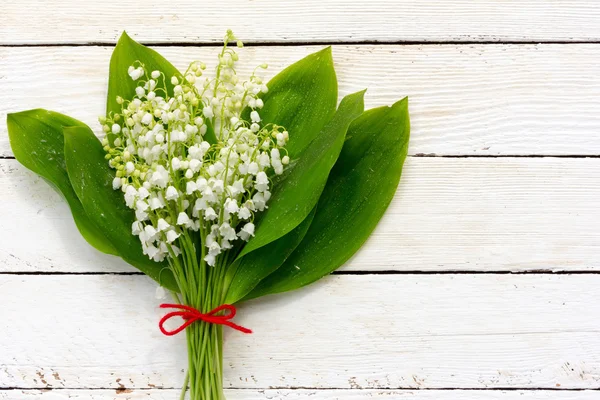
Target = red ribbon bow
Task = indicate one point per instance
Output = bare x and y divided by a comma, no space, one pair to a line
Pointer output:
191,315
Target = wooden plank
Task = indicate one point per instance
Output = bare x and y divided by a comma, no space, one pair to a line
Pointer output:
369,332
25,21
297,394
464,99
468,214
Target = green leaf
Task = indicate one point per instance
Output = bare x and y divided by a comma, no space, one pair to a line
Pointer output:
246,273
359,189
293,198
125,54
36,138
302,98
92,178
210,136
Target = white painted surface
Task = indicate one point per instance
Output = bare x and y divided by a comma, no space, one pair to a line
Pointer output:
347,337
470,214
368,331
302,394
465,99
67,21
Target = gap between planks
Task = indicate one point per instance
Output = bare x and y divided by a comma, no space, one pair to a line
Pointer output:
315,394
314,43
420,155
357,272
323,389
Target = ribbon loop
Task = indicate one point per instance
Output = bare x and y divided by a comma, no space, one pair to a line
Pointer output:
191,315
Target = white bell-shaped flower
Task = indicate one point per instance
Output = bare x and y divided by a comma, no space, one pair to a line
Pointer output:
262,181
227,232
210,214
117,183
237,188
231,206
136,228
171,193
183,219
247,231
143,193
163,225
244,213
172,236
190,187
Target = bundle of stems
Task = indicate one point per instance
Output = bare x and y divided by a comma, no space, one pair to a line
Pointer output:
203,288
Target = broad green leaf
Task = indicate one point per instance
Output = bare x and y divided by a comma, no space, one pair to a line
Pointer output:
245,274
92,178
302,98
125,54
293,198
210,136
36,138
360,187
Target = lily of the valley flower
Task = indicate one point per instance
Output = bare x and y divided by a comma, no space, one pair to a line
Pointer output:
173,173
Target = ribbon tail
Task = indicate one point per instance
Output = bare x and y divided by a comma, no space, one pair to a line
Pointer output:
237,327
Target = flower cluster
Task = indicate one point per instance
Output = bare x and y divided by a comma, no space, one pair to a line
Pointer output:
198,160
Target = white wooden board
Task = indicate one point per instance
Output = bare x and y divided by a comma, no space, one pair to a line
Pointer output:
464,99
302,394
471,214
63,21
346,332
480,336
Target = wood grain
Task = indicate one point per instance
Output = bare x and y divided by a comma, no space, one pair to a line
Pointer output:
297,394
348,337
468,214
464,99
362,332
33,21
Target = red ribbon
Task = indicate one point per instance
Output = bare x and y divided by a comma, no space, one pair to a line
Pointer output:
191,315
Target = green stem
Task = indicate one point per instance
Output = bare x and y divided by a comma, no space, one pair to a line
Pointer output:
206,378
201,287
204,341
185,386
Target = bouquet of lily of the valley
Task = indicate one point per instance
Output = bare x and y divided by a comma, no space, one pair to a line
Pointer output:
221,189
